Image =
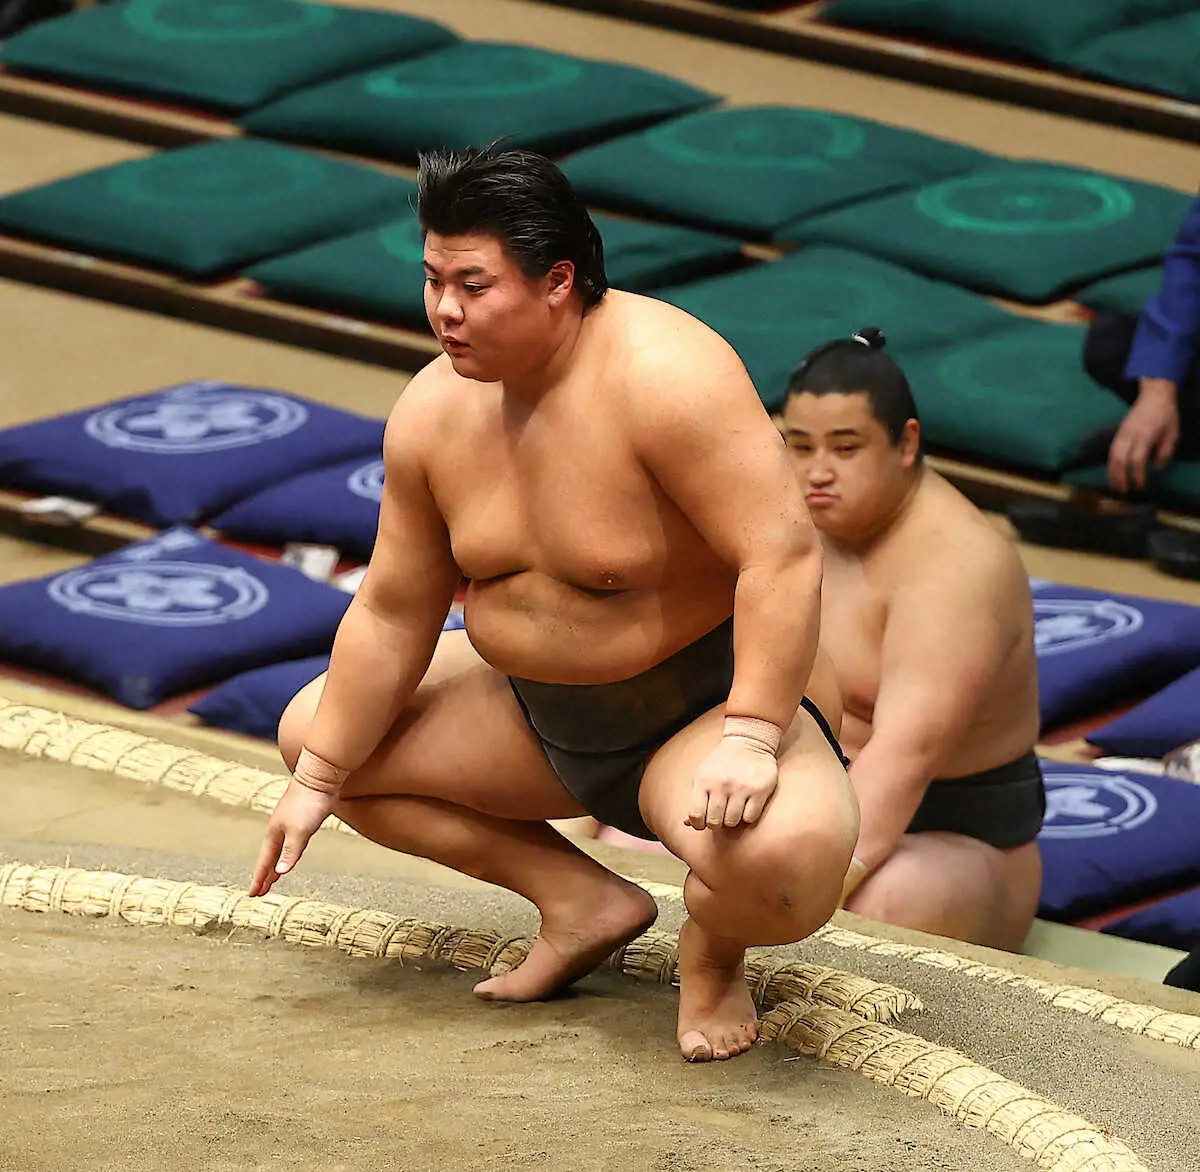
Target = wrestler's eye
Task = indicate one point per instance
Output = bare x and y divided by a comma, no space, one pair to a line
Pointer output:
846,449
432,282
475,288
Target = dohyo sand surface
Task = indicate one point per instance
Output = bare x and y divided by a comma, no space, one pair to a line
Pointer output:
139,1047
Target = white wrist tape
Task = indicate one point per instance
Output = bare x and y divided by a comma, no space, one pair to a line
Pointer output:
761,733
317,773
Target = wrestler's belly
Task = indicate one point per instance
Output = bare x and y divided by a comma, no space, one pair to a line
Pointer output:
532,626
990,743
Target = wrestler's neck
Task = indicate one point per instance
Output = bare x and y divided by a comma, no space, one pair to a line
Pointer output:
861,539
547,366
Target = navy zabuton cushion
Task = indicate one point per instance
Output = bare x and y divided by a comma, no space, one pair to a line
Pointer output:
164,616
1096,649
336,506
1170,718
178,455
253,702
1112,838
1172,923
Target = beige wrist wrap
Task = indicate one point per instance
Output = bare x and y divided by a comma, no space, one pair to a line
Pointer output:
317,773
762,734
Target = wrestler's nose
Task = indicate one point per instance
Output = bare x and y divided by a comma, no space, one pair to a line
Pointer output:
449,308
820,472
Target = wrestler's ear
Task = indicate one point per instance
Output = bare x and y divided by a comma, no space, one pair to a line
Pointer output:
560,280
910,442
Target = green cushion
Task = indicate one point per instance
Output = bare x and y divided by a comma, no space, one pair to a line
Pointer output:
472,94
1177,484
206,209
231,54
775,313
752,169
1124,292
1018,397
1048,29
379,272
1162,56
1029,231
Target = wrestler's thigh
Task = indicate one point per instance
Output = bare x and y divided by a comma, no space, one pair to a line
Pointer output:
462,738
955,886
808,828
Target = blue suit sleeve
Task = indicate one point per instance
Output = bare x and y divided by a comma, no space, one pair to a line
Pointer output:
1168,333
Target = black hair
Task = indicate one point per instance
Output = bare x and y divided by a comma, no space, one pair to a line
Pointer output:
522,199
858,363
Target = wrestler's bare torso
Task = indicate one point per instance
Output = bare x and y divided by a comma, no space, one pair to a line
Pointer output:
938,534
581,569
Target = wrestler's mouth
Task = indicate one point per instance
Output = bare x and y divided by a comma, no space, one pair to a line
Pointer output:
821,498
453,345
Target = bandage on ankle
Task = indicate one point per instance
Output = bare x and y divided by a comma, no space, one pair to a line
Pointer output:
317,773
761,733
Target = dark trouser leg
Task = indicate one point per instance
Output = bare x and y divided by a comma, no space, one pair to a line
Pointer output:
1105,355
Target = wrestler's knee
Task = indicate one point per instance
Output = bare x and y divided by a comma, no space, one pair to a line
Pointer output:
787,881
295,721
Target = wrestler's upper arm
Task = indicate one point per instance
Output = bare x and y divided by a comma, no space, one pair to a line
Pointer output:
701,430
412,574
942,646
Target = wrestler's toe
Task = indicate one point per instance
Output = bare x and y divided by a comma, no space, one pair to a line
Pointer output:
696,1047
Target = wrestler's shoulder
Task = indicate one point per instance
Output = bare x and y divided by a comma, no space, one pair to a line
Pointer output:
946,536
657,337
422,414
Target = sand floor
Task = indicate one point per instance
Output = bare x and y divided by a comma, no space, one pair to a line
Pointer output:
163,1048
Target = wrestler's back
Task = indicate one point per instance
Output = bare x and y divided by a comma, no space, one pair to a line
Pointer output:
581,569
941,534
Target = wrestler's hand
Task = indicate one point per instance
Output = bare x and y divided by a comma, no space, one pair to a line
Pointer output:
733,784
295,819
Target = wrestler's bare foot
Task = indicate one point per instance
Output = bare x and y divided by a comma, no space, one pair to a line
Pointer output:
576,937
716,1012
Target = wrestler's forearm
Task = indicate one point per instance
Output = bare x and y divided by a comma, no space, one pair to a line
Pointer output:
776,620
889,781
375,667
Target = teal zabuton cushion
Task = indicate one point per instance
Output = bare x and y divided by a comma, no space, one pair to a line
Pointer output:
379,272
752,169
1029,231
1123,292
472,94
229,54
1032,28
775,313
1177,484
205,209
1018,396
1163,56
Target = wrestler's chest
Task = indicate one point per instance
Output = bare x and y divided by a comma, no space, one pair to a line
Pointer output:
853,617
584,517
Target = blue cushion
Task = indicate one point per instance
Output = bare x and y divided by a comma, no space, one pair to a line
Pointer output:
336,506
163,616
1173,923
1096,649
253,702
1112,838
1164,722
179,455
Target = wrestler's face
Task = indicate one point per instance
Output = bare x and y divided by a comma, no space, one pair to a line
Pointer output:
491,319
853,476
